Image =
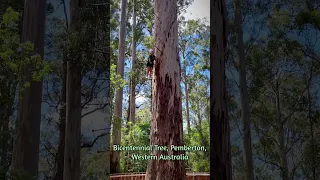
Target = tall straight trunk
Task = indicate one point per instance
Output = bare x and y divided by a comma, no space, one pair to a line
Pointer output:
73,101
133,83
314,154
62,123
204,141
186,91
199,115
244,97
25,154
166,124
108,89
116,132
281,135
62,126
220,147
311,121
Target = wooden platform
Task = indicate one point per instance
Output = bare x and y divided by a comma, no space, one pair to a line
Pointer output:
141,176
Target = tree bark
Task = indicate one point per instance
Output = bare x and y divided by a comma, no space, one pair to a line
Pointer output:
187,103
73,101
244,97
199,114
108,89
281,135
220,147
62,126
133,83
166,125
116,133
25,154
186,91
310,117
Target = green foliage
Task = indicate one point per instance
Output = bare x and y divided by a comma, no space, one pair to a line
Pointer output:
137,134
116,81
94,164
198,160
15,55
279,22
308,17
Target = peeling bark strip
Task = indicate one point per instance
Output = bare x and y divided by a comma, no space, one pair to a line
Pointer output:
220,147
25,154
166,125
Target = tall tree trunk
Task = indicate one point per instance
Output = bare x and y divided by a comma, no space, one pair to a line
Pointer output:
220,147
166,125
116,132
203,140
281,135
199,115
133,83
244,97
108,89
62,126
186,91
62,123
310,117
73,101
25,154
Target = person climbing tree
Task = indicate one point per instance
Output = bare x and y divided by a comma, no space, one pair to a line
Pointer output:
166,123
150,61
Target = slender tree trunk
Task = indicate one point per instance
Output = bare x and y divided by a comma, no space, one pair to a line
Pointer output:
281,134
186,91
220,148
25,154
314,154
116,133
244,97
204,141
199,116
133,83
310,117
62,123
108,89
62,126
166,125
73,101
